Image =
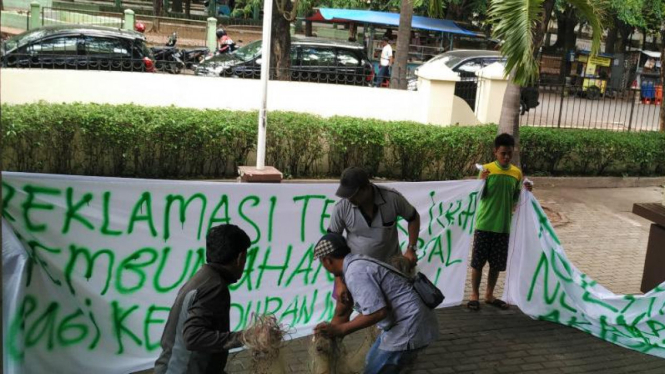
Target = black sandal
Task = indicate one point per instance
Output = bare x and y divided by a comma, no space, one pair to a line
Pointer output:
498,303
473,305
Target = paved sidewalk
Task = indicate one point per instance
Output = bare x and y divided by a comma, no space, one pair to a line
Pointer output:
603,239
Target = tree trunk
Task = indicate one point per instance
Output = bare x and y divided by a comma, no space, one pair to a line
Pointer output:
399,69
176,6
541,27
570,37
560,30
611,40
157,7
455,10
280,55
624,41
157,12
569,41
188,7
662,78
509,122
548,37
308,28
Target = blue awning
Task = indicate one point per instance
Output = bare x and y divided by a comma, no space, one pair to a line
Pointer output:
390,19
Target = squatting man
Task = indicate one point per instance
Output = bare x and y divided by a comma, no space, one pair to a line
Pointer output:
383,298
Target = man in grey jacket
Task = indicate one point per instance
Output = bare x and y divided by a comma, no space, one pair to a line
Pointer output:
197,335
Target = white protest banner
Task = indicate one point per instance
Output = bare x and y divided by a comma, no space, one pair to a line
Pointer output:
108,255
546,285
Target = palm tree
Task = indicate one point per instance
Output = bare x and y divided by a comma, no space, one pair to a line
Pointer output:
521,25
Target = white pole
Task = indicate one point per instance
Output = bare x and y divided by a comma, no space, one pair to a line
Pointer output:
265,74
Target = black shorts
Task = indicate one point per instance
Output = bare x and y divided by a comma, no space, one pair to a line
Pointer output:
490,247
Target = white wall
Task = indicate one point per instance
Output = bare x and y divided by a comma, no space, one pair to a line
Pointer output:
149,89
18,86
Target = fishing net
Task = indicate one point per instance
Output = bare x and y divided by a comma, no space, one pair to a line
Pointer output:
263,339
402,264
330,356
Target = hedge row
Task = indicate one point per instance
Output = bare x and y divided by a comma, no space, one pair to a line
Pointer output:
135,141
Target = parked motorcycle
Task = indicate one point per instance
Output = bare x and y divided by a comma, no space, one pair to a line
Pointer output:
191,57
224,42
167,58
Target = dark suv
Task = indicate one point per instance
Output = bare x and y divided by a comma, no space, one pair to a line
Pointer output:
78,47
312,60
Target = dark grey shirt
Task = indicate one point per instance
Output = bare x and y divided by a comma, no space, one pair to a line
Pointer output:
197,336
410,323
377,239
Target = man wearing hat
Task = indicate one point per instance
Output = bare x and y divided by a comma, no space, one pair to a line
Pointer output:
369,213
381,297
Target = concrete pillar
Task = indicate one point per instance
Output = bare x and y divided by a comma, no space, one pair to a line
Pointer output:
35,15
211,34
130,19
436,85
492,84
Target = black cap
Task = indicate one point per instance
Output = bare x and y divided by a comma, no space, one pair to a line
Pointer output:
352,179
385,39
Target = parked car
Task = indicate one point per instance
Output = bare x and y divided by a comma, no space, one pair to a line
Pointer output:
78,47
466,63
312,60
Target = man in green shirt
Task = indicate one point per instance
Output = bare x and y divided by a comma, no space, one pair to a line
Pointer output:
490,243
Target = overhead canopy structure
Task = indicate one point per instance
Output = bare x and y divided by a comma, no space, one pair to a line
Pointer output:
652,54
388,19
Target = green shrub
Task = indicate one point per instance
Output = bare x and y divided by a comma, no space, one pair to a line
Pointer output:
543,150
294,143
134,141
413,149
353,141
457,149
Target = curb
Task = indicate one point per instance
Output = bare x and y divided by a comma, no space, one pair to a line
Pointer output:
598,182
540,182
548,182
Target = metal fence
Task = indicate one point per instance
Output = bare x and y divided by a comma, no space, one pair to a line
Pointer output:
159,29
467,89
311,74
102,61
573,106
189,32
320,75
221,20
60,16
